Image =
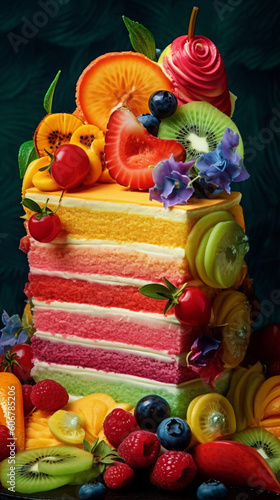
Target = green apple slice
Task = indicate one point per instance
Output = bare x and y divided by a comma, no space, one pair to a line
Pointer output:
226,247
197,233
200,258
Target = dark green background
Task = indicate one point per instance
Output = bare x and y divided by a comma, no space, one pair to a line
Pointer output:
72,34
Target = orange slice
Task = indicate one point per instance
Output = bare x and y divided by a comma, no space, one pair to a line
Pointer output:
118,79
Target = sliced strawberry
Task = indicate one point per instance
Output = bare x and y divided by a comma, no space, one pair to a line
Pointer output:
131,152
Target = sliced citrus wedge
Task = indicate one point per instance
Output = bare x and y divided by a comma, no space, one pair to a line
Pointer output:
212,417
118,79
66,426
236,335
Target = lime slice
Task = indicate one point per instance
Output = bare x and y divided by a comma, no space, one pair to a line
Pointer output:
226,248
198,231
199,261
66,426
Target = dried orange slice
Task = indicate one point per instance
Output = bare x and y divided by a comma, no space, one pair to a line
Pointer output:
118,79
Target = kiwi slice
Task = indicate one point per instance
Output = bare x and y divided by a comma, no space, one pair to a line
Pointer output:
264,442
199,126
24,471
64,460
225,251
200,258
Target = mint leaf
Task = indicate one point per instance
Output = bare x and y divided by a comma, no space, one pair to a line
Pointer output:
86,445
102,450
27,153
32,205
156,291
141,38
48,99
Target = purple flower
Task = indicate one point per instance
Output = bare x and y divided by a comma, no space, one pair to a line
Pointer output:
223,165
12,333
205,358
171,182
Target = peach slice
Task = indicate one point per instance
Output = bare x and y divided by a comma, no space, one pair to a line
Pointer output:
118,79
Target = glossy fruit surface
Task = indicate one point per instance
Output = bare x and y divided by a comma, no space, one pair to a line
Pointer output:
140,449
70,166
92,491
49,395
18,360
194,307
150,411
66,426
162,103
211,490
5,442
173,471
131,152
265,343
44,229
174,434
117,425
150,122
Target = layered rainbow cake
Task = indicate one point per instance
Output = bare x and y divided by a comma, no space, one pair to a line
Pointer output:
94,331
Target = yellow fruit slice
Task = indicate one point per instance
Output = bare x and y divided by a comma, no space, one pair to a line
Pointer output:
45,182
54,130
263,392
31,170
236,335
191,407
218,302
231,300
67,427
85,135
118,79
212,417
272,409
253,385
270,422
95,169
236,376
240,394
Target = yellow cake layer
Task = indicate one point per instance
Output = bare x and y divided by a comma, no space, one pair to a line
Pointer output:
111,212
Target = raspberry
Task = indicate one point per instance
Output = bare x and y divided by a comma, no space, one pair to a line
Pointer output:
117,425
27,403
174,471
140,449
118,476
49,395
5,440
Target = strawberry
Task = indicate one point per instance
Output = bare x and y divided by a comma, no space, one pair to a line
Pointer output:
174,471
140,449
130,150
117,425
49,395
118,476
6,442
27,403
234,464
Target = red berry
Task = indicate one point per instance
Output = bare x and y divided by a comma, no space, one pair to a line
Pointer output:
174,471
70,166
117,425
194,307
18,360
140,449
6,440
130,150
27,403
118,476
264,344
49,395
273,368
45,229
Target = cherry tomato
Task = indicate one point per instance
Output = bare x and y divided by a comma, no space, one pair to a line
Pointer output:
70,166
22,354
194,307
44,229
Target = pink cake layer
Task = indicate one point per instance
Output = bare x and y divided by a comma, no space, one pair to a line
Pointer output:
144,332
111,360
107,260
49,288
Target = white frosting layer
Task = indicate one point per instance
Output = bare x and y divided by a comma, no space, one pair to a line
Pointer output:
101,311
90,373
115,346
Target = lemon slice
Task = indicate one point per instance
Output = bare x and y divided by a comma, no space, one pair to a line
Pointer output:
66,426
212,417
236,335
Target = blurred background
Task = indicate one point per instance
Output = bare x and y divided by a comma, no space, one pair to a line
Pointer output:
40,37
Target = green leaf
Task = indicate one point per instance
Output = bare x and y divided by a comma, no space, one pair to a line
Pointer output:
48,99
94,445
168,306
86,445
27,153
102,450
170,285
108,460
32,205
141,38
156,291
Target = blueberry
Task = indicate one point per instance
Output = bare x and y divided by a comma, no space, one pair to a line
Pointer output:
150,122
158,52
92,491
174,434
212,490
150,411
162,103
